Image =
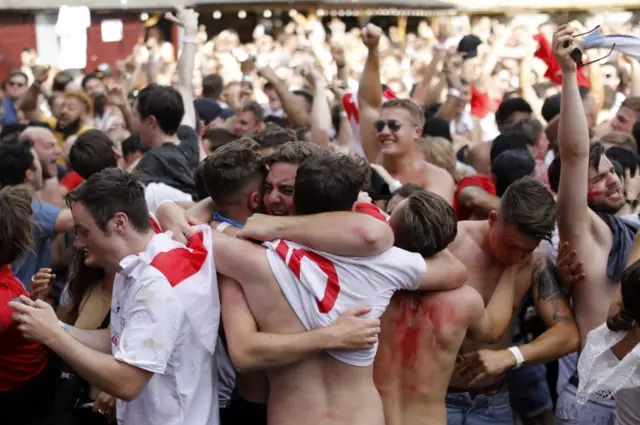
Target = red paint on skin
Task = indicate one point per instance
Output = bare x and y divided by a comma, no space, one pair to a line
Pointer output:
592,193
418,322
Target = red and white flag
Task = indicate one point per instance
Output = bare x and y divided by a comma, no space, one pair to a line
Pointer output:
350,105
191,272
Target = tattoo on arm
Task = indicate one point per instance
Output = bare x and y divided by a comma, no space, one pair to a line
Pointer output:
544,279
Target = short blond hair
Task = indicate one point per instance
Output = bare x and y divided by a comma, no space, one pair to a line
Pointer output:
439,151
415,111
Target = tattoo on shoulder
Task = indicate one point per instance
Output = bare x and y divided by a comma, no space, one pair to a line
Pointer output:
545,281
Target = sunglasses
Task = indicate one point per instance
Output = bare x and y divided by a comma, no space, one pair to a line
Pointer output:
394,125
576,53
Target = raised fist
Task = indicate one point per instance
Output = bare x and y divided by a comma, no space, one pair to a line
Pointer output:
371,36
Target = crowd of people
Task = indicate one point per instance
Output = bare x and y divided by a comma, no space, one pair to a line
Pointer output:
326,226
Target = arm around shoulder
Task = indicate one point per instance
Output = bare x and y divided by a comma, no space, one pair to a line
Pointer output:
444,272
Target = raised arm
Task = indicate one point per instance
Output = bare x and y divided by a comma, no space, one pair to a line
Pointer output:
339,233
320,110
293,105
573,141
188,18
251,350
370,93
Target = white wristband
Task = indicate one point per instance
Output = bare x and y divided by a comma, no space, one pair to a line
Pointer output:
518,355
453,92
63,325
189,39
394,186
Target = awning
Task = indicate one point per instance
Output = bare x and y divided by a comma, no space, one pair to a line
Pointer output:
168,4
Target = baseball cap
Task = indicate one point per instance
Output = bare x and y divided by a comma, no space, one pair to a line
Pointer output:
468,46
208,110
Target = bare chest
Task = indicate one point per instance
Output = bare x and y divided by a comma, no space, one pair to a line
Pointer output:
415,175
483,273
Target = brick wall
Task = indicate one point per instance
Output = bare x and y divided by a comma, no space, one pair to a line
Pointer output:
99,52
17,31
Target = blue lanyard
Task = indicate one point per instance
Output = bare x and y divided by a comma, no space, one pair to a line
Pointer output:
217,217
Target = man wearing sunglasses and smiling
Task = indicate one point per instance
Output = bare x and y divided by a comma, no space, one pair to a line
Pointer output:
390,131
14,88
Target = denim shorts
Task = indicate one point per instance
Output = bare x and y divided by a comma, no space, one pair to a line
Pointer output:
528,391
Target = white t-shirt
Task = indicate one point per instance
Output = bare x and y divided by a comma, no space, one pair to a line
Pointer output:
157,193
320,286
150,329
71,27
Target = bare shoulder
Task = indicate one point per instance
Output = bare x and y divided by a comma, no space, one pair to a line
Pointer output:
468,303
439,173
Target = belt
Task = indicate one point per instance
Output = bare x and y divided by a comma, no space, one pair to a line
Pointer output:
474,392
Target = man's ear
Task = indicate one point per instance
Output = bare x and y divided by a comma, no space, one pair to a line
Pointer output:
254,201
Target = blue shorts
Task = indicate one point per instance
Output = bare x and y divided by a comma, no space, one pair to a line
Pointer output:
528,391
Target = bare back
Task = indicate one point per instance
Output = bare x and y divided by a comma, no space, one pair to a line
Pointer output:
320,389
420,338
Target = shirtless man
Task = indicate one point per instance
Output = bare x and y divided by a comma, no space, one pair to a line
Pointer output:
234,177
589,194
282,302
390,130
414,377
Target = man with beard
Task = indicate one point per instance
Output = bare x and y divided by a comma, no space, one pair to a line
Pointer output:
49,152
19,165
46,147
75,117
390,130
589,195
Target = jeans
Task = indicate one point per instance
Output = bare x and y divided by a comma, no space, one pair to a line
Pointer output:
528,391
494,409
569,412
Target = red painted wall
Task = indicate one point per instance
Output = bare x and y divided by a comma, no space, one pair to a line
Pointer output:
99,52
17,31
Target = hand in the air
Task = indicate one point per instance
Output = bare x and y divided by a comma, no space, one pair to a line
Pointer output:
371,36
184,17
562,46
